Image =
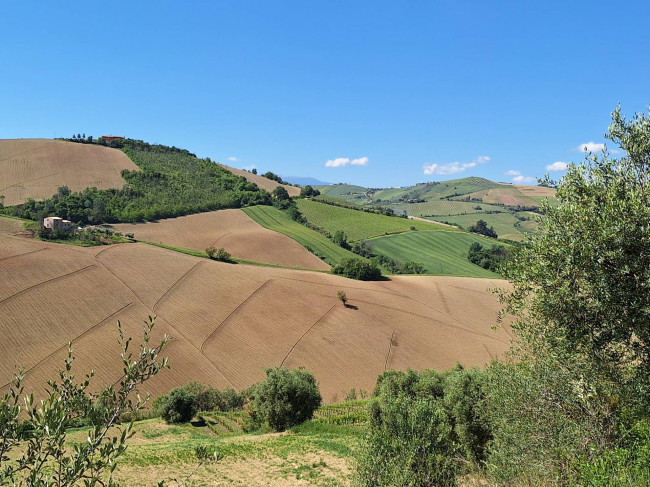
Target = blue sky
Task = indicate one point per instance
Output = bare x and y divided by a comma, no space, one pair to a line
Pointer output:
370,92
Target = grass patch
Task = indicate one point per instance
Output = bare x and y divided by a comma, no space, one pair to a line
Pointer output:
358,225
318,244
441,253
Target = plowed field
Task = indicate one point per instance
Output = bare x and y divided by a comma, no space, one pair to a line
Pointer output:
228,322
233,230
35,168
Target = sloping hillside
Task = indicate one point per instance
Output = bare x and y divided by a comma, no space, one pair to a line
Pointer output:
264,183
35,168
233,230
228,322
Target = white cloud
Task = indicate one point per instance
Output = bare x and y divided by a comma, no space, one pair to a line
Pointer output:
453,167
345,161
233,159
590,147
519,178
523,179
557,166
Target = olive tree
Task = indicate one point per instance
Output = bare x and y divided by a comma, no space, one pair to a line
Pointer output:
33,448
580,300
581,285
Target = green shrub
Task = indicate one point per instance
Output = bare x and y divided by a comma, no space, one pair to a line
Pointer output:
410,443
218,254
286,398
179,406
362,270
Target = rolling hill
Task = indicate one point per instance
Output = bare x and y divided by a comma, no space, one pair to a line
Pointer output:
233,230
35,168
228,322
508,208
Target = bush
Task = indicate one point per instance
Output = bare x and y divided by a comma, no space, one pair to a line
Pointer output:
362,270
286,398
179,406
218,254
425,429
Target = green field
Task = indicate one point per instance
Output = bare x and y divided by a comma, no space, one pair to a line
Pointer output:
441,253
358,225
318,453
505,224
444,208
448,201
274,219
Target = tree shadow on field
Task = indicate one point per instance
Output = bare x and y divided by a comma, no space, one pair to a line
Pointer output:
350,306
199,423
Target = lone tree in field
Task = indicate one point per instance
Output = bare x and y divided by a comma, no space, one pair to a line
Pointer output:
341,296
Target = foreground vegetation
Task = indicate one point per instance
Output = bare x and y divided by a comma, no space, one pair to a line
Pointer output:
569,406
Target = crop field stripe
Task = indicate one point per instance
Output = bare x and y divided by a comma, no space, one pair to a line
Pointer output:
99,323
174,285
24,253
303,335
45,282
233,312
390,347
224,235
29,180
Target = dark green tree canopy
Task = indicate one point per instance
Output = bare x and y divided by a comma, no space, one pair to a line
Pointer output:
582,284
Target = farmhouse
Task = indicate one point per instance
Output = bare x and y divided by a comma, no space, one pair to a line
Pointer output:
57,223
111,138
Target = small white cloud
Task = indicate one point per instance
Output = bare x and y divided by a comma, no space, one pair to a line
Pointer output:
345,161
512,172
590,147
482,159
453,167
233,159
523,179
557,166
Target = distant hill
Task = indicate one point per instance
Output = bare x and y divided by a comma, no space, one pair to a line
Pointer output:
509,208
304,181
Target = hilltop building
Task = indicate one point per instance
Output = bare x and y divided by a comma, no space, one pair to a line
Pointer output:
111,138
57,223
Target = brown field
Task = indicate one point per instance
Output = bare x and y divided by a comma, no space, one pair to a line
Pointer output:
35,168
233,230
230,321
264,183
509,195
537,191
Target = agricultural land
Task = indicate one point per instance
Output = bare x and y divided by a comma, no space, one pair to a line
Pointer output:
510,209
35,168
